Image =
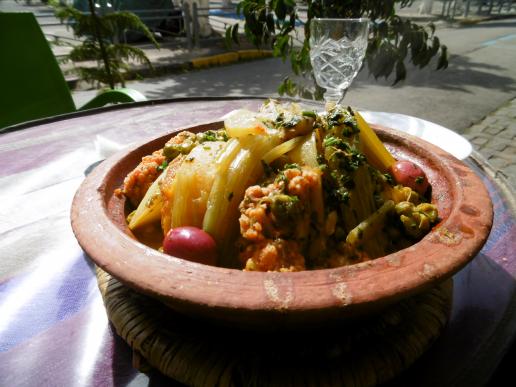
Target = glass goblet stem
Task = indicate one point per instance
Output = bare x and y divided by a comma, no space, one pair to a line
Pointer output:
334,96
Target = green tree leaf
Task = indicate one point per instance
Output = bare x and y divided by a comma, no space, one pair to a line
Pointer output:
442,63
113,68
401,72
234,33
391,40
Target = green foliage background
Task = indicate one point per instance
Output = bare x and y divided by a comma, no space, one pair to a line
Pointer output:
392,40
100,42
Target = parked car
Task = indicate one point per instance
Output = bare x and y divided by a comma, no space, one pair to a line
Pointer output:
158,15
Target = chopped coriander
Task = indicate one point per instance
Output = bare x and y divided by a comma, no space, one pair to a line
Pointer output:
291,166
331,141
286,207
334,118
342,195
282,180
349,161
345,118
286,122
309,113
209,135
212,135
388,178
163,165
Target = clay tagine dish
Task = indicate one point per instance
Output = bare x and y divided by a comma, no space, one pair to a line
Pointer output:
258,299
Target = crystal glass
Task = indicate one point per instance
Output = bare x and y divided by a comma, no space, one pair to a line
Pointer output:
337,49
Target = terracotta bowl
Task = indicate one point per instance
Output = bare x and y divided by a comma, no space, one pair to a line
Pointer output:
253,299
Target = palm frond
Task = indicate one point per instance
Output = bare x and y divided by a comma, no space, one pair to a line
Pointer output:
127,52
101,32
99,75
117,22
89,50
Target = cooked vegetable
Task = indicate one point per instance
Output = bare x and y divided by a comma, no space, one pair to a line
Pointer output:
410,175
276,220
377,155
183,143
193,183
294,124
138,181
149,209
221,219
281,149
192,244
306,152
416,219
166,186
219,195
348,180
242,122
281,189
365,235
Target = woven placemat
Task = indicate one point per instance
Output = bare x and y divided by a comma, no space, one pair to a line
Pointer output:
195,353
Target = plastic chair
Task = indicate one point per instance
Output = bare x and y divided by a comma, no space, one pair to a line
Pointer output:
32,85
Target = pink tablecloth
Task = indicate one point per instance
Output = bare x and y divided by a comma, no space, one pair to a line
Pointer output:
53,327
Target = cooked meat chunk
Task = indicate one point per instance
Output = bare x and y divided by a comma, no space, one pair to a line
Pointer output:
141,178
278,216
273,255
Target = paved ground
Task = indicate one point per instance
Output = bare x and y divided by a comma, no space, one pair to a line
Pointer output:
495,138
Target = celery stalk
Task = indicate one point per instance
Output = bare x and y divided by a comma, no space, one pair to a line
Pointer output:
377,155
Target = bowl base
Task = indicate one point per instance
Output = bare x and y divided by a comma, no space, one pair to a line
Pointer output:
196,353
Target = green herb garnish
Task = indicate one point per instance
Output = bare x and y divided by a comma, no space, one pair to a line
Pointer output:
163,165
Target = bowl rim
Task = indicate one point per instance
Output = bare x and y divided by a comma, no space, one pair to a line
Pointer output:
205,290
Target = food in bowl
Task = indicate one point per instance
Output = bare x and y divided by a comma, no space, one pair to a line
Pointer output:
280,189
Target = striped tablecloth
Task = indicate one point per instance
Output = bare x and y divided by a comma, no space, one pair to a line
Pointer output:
53,326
